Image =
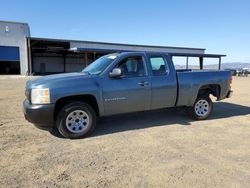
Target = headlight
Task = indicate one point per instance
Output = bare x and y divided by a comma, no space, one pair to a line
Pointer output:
40,96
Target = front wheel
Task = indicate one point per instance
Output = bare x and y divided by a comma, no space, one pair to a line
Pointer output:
202,108
76,120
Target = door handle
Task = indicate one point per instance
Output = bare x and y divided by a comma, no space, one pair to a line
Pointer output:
143,83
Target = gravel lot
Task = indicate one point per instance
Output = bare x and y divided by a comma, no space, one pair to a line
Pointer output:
153,149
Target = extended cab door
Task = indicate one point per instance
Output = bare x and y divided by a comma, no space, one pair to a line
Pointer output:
163,81
130,92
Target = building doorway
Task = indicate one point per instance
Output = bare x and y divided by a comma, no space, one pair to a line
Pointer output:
9,60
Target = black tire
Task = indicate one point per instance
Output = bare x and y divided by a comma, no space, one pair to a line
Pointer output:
69,109
202,108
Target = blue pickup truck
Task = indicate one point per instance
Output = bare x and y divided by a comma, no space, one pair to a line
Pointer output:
120,83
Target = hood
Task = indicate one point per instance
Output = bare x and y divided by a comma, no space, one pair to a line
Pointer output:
53,80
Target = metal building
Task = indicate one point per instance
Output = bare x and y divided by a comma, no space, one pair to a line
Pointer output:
22,54
13,47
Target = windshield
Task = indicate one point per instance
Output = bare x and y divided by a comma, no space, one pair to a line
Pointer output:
99,65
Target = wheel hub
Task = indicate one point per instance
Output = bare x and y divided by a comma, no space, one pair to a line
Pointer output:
201,107
77,121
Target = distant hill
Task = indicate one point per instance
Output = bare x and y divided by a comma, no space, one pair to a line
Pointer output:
233,65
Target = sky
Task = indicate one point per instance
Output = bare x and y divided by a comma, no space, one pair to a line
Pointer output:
220,26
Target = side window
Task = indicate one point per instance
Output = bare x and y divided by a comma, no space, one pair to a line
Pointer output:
159,66
132,67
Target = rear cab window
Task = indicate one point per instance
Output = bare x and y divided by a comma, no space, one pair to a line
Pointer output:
159,66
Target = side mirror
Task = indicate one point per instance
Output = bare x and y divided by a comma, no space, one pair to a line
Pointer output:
115,73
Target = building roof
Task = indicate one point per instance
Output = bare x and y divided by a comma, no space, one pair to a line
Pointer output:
13,22
109,43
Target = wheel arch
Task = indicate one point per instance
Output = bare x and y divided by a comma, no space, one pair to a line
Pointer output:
89,99
207,89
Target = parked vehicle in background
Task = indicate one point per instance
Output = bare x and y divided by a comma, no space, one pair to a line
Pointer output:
120,83
243,72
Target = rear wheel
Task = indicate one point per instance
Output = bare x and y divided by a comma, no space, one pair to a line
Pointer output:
76,120
202,107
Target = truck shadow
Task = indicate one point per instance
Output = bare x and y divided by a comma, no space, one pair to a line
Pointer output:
165,117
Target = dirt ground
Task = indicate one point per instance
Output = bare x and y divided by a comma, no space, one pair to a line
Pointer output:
153,149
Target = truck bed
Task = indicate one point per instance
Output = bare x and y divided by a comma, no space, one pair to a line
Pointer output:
190,81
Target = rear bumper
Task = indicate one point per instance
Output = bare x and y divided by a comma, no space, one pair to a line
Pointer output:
40,115
229,94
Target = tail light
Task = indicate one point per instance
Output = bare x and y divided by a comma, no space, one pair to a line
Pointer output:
230,80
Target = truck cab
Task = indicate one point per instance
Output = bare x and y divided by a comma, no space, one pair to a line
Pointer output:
142,81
